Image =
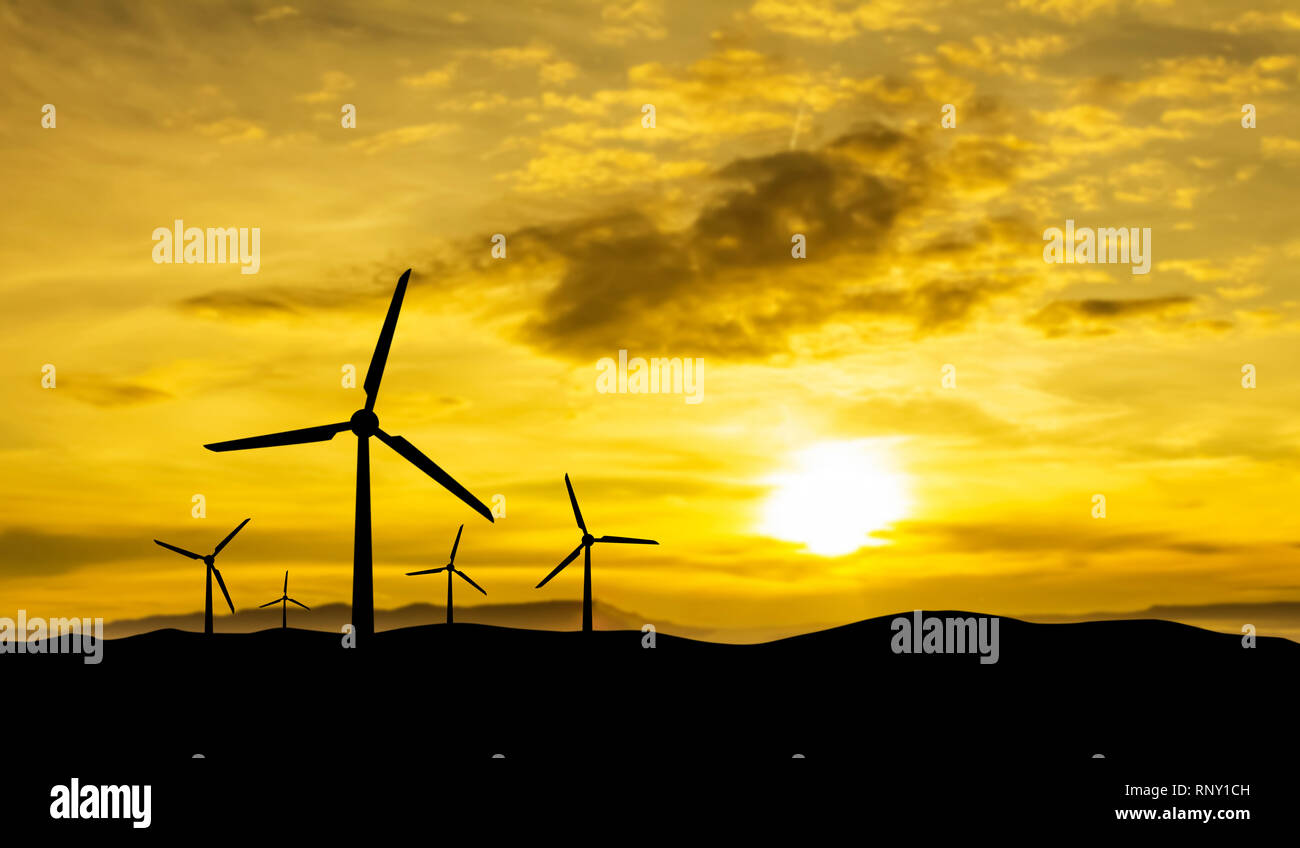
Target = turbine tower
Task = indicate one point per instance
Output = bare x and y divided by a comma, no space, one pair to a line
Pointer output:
210,562
284,607
451,569
364,423
585,546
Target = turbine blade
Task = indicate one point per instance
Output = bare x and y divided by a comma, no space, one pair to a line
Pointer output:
323,433
626,540
456,545
226,540
377,362
286,583
573,499
268,603
426,571
471,582
568,559
292,601
428,466
222,584
182,551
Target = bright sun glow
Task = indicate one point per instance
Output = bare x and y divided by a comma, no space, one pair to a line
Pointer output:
838,494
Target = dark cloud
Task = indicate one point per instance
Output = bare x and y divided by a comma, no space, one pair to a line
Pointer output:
102,391
1095,316
618,270
1010,537
1110,57
281,301
829,196
726,285
25,552
978,163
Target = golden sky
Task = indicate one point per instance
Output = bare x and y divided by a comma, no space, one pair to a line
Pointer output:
823,406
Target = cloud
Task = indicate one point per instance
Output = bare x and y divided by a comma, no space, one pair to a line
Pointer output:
401,137
333,85
276,13
1200,270
1003,56
1076,9
1193,79
1245,292
1273,147
1256,21
834,21
28,552
550,68
1207,117
557,73
281,301
433,78
627,281
106,392
230,130
732,92
1096,316
623,21
559,168
967,537
1085,130
882,414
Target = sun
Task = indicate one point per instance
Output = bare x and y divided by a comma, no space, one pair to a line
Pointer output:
837,495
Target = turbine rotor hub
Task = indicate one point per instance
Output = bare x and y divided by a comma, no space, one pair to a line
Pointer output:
587,539
209,560
364,422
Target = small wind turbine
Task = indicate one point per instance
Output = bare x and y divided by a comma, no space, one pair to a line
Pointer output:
585,546
451,569
209,561
284,607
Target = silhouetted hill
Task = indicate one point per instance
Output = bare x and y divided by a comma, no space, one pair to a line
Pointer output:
1123,688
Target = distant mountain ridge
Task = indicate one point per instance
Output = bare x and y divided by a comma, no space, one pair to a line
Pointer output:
1278,618
540,615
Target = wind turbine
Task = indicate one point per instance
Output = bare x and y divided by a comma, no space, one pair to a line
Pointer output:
210,561
284,608
585,546
451,569
364,423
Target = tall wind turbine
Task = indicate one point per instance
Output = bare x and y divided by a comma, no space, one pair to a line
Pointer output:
585,546
210,561
364,423
284,607
451,569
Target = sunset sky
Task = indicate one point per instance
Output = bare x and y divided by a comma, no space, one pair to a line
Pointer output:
828,474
